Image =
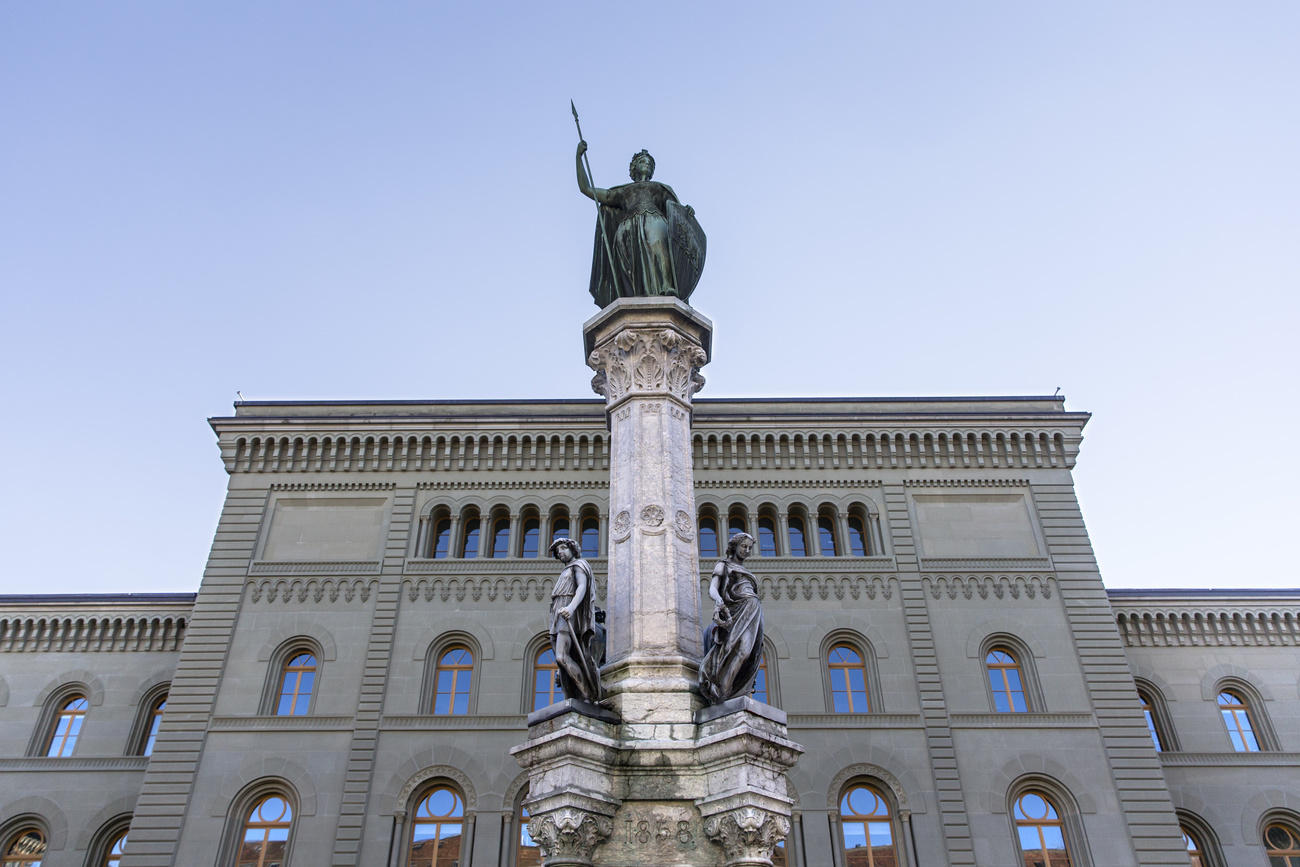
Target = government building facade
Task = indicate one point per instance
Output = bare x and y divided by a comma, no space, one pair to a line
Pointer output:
370,635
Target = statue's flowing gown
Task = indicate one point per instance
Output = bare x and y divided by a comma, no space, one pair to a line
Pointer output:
729,667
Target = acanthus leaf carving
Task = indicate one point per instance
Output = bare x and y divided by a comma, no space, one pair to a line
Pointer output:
747,835
569,835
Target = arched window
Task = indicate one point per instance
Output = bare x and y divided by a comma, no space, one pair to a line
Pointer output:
857,536
559,523
436,825
297,683
867,828
826,535
67,726
1283,842
264,840
546,685
152,722
452,681
1236,718
760,680
737,520
25,848
440,539
796,546
527,852
469,540
848,675
1202,845
1040,831
1006,681
1149,713
501,536
708,535
532,529
767,533
590,536
113,858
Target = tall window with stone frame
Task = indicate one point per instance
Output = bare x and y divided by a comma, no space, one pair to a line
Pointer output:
453,681
1006,680
1235,711
846,666
24,848
796,537
1199,839
437,825
500,546
531,528
144,732
1040,831
470,527
1156,714
868,831
297,682
708,534
827,536
546,683
767,532
440,535
66,727
589,529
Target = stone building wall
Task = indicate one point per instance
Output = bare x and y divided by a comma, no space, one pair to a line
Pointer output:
971,538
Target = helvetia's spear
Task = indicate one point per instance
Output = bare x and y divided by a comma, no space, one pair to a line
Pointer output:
600,212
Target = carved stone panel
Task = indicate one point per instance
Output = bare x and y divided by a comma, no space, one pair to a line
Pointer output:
657,833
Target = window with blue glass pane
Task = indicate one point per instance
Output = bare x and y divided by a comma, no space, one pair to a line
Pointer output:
452,681
766,537
1005,681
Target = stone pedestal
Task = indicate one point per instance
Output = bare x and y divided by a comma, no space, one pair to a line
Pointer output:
655,779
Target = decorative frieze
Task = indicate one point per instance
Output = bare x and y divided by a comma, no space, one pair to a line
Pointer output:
1197,626
79,633
286,590
1023,720
269,723
808,586
314,567
989,586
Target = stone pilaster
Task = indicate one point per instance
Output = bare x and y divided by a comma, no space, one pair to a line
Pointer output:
647,353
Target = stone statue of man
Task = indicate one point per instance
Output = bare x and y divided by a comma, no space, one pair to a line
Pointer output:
573,623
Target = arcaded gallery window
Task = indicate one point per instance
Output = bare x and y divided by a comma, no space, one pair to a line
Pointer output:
546,683
436,826
1283,842
826,536
867,828
440,539
264,841
708,536
25,848
590,538
1006,681
297,683
67,726
500,536
767,533
796,536
532,529
857,535
452,681
848,674
1237,719
1040,831
469,542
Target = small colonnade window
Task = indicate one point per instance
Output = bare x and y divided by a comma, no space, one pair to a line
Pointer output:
496,533
796,532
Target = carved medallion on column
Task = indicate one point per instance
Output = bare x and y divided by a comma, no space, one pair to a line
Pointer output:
647,361
747,835
568,837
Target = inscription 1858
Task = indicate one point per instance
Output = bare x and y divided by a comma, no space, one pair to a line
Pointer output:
656,833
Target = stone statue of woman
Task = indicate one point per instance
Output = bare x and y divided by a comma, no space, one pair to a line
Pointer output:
573,623
735,641
647,242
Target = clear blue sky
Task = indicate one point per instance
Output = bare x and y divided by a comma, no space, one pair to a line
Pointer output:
307,200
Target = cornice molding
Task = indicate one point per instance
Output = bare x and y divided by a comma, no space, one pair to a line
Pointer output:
76,764
1196,624
469,723
855,721
92,632
1231,760
1022,720
965,483
333,486
315,567
983,564
265,723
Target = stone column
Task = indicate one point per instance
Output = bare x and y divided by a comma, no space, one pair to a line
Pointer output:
647,353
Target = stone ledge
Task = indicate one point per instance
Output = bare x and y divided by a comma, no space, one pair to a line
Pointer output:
74,763
1229,760
423,722
572,705
737,705
940,564
855,720
266,722
1022,720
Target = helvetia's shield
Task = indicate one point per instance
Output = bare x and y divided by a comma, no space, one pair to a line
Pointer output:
687,239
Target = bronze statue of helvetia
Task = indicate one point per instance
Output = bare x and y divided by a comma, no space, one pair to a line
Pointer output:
647,242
